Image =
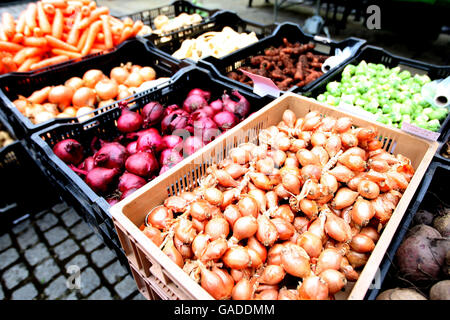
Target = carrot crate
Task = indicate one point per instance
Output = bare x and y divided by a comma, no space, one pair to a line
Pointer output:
151,263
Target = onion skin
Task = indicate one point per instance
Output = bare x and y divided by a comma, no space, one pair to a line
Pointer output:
301,224
232,214
248,206
371,232
368,189
244,227
267,232
329,258
159,217
215,250
242,290
295,261
284,212
337,228
309,208
311,243
217,228
173,253
255,245
356,259
185,231
284,228
288,294
212,283
274,254
272,274
199,245
334,279
255,259
344,197
227,281
362,212
200,210
362,243
237,258
260,197
313,288
154,235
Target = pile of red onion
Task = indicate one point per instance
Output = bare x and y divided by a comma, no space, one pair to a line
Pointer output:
152,142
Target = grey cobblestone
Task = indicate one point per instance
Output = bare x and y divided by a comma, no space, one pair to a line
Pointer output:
36,254
114,272
47,221
57,288
139,296
71,296
101,294
27,292
5,241
8,257
46,271
66,249
60,207
14,275
19,228
91,243
81,230
28,238
125,287
70,217
2,295
56,235
79,260
103,256
89,281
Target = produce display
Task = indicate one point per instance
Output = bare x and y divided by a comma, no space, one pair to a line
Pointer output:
287,65
151,142
164,25
216,44
5,138
391,94
295,216
445,152
53,31
80,96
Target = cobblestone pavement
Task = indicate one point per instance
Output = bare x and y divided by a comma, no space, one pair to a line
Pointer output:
41,257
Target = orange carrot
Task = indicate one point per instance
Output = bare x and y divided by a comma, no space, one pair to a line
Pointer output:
35,41
42,18
56,3
39,96
69,10
30,16
70,54
93,30
85,11
94,50
37,32
58,22
26,53
95,14
91,4
9,46
59,44
82,39
100,46
9,64
25,66
74,33
20,26
9,26
100,37
48,62
128,22
27,32
137,27
3,36
49,8
18,38
127,33
107,31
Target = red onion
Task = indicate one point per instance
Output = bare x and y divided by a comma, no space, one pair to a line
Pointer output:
207,129
111,155
164,168
136,135
152,113
205,112
142,164
178,119
170,109
100,179
126,193
170,157
130,181
129,121
172,141
225,120
193,103
132,147
151,141
192,144
242,106
87,165
199,92
69,150
228,104
112,201
216,105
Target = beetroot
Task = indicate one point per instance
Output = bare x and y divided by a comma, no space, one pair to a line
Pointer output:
130,181
193,103
199,92
172,141
69,150
129,121
152,112
132,147
151,141
111,155
87,165
178,119
101,179
225,120
170,156
192,144
142,164
216,105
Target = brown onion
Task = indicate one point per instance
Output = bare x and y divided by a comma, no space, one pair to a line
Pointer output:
215,250
328,124
306,157
159,217
291,183
237,257
284,228
317,228
185,231
272,274
357,259
214,196
199,245
261,180
309,208
342,173
313,288
329,183
311,243
368,189
334,279
354,182
333,145
198,225
311,171
295,261
291,162
289,118
297,144
232,214
212,283
288,294
154,234
353,162
343,124
311,123
267,233
224,178
344,197
321,154
240,155
217,228
318,139
284,212
255,259
274,254
301,224
228,197
281,192
243,290
348,271
265,165
278,157
362,243
255,245
362,212
173,253
260,197
349,140
245,227
248,206
235,170
329,258
184,249
200,209
337,228
371,232
176,204
227,281
271,294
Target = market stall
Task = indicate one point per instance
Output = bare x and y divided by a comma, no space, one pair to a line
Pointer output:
221,158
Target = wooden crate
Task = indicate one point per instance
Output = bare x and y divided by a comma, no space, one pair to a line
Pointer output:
152,263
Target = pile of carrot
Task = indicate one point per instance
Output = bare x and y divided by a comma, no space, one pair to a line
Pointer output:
53,31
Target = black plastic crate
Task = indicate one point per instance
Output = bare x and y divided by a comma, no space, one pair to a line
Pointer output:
434,184
14,84
103,126
293,33
171,11
378,55
171,42
441,147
